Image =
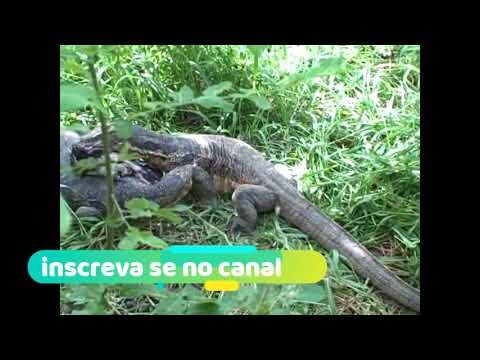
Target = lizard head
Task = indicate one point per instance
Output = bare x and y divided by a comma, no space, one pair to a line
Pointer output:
161,151
90,145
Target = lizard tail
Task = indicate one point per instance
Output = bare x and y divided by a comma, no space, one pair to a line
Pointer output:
318,226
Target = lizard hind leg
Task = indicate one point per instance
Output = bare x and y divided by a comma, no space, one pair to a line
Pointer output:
249,201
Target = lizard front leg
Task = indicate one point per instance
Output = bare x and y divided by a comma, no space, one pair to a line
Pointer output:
203,187
249,200
173,187
181,181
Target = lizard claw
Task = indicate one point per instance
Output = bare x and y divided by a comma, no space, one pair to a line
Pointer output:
237,225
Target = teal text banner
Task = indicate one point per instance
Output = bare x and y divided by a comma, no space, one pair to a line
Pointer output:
177,265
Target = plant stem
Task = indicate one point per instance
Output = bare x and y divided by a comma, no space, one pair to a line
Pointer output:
106,147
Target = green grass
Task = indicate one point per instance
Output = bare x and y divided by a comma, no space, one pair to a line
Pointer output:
357,131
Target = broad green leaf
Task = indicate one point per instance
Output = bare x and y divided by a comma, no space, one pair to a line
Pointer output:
123,128
311,294
217,89
206,308
261,102
141,203
147,238
65,217
113,222
132,234
326,66
74,97
144,237
184,95
170,306
140,213
250,94
242,95
127,243
153,241
213,102
140,208
169,215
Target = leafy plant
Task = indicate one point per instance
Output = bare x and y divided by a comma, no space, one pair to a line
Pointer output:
143,208
327,66
140,208
210,98
134,237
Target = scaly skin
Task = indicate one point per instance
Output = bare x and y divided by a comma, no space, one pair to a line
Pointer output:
82,192
86,194
233,163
